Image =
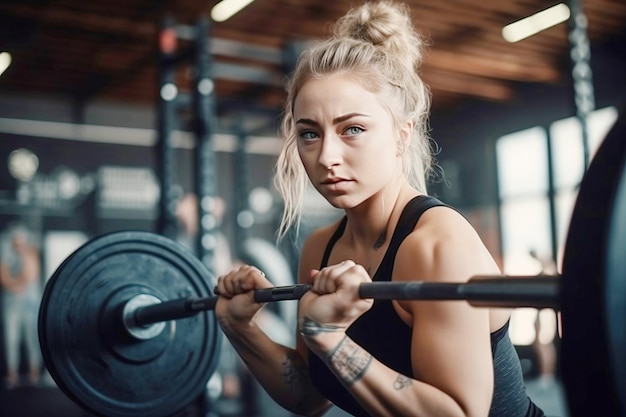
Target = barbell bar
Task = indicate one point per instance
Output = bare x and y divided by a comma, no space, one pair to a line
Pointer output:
158,311
534,291
111,339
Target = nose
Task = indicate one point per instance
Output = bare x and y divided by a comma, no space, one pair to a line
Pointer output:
330,151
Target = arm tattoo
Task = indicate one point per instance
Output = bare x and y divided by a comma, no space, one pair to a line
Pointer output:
401,382
294,370
296,376
310,327
350,361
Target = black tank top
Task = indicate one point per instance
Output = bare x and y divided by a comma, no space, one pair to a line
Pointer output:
381,323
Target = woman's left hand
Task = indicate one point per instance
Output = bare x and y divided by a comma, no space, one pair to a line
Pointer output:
332,305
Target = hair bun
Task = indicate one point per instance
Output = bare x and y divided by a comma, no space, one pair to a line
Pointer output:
385,24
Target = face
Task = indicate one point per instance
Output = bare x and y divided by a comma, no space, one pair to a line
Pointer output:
346,140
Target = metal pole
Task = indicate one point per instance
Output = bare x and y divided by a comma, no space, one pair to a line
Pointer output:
206,183
168,93
241,192
580,54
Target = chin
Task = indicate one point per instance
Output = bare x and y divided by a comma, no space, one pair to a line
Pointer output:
342,202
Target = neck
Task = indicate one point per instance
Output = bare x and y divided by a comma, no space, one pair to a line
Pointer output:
380,241
369,224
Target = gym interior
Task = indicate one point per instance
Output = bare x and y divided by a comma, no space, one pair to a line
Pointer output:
163,117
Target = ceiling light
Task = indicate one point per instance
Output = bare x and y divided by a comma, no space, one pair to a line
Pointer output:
535,23
5,61
23,164
225,9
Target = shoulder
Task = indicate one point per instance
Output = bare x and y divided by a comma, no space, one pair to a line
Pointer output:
443,246
442,224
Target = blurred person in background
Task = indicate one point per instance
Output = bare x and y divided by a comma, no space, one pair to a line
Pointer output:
188,222
20,278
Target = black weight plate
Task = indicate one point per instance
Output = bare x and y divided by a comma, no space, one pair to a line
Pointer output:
615,280
588,318
87,349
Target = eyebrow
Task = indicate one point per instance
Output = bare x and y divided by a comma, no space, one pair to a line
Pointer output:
335,120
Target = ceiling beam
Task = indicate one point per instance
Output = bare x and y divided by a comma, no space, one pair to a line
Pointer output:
468,85
497,66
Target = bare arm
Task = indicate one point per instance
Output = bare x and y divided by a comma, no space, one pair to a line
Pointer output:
6,280
450,347
282,371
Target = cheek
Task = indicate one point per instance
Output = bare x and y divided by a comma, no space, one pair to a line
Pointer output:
306,157
382,155
380,163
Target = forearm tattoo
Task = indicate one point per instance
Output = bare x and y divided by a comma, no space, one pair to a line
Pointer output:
310,327
401,382
296,377
349,360
293,371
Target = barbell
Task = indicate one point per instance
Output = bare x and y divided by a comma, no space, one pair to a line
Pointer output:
127,327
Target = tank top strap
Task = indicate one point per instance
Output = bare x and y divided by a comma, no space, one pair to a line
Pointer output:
333,239
406,223
408,219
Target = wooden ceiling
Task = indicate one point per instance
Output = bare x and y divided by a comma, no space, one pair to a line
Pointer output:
107,49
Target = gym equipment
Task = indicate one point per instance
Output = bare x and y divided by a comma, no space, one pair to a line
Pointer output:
153,371
111,339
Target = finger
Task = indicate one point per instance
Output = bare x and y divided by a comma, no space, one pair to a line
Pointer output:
326,280
312,274
361,272
245,279
227,284
253,279
322,284
220,288
336,270
216,289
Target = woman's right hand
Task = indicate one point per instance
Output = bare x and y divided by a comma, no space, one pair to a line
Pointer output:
235,305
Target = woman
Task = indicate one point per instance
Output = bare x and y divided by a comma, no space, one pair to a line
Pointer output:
355,126
20,281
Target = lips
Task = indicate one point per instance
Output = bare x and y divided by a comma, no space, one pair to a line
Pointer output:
335,184
331,181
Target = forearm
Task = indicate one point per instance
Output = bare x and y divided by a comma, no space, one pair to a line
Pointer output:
383,391
7,281
279,369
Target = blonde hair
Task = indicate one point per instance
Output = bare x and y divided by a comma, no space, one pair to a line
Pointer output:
376,44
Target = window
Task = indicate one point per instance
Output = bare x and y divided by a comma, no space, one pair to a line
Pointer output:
539,172
523,189
568,164
527,194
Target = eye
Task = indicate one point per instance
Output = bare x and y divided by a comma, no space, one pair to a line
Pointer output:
307,135
353,130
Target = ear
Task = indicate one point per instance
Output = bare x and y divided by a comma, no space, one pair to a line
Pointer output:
406,130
